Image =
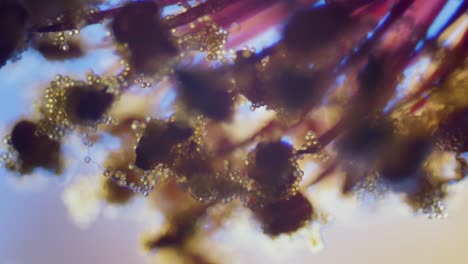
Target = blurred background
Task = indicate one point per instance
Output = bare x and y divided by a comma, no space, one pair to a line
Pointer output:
46,219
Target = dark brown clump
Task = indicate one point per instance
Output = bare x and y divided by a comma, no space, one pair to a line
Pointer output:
54,53
194,170
209,186
87,104
139,25
310,29
13,19
285,215
401,163
205,93
203,177
364,140
50,9
33,150
296,90
119,176
115,193
157,143
453,133
272,168
192,163
370,77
